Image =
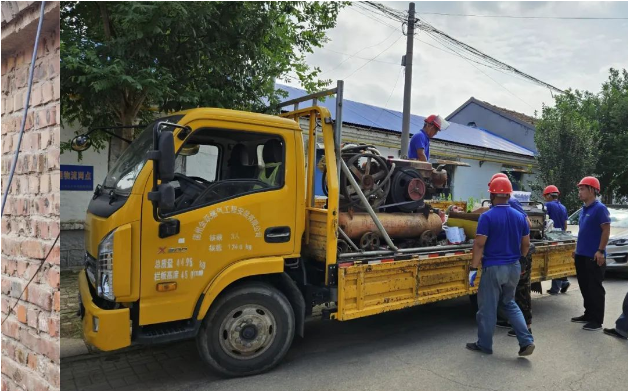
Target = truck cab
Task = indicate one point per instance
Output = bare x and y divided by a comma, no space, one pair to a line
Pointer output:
237,212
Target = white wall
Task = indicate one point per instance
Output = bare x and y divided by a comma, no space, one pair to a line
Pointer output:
75,203
473,181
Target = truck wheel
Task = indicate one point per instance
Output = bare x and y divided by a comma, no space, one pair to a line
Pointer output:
247,331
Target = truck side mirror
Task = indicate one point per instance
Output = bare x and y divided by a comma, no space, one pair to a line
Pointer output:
166,162
80,143
167,197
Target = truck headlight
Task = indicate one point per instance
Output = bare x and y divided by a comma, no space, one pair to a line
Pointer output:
104,271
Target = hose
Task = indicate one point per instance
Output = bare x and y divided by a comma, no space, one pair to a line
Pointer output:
26,106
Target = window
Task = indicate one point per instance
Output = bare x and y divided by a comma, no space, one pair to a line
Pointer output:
215,165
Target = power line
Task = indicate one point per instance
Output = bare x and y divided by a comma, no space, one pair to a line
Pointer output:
361,58
464,50
369,61
360,50
526,17
495,81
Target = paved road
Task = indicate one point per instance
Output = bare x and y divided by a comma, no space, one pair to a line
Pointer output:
419,348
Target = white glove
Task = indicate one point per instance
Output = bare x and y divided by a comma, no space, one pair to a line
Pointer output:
472,275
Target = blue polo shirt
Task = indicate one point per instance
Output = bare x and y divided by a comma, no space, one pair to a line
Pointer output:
557,213
515,204
504,228
419,141
589,228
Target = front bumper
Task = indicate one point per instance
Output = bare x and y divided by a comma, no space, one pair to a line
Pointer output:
113,325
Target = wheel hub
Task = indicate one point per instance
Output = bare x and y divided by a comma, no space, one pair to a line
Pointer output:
247,331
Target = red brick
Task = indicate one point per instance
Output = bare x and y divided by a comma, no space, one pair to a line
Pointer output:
44,184
33,249
54,181
36,95
56,91
21,313
31,317
6,286
54,256
53,327
40,297
51,373
18,100
53,277
43,322
11,328
30,121
33,184
20,355
32,361
49,348
47,92
56,301
53,159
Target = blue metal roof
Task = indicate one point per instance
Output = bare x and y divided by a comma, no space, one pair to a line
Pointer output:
385,119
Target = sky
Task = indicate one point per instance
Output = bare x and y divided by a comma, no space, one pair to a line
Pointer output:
573,54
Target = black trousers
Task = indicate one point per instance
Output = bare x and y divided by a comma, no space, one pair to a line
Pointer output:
590,279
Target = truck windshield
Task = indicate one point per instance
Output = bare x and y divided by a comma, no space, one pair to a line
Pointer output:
122,176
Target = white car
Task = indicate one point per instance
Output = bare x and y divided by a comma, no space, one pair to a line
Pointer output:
617,247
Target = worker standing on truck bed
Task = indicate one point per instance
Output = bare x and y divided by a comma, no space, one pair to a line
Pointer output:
593,235
419,143
501,244
522,293
558,214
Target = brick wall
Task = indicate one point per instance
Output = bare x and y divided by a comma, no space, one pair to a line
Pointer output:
30,335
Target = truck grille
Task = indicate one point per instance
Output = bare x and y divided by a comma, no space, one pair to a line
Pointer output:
90,267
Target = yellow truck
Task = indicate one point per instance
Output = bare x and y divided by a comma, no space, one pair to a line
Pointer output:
207,228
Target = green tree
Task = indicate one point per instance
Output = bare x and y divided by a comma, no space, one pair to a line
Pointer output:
566,138
586,134
121,62
612,168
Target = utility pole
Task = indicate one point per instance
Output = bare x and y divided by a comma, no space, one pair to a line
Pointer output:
407,89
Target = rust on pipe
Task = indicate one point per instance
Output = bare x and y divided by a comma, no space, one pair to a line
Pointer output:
397,225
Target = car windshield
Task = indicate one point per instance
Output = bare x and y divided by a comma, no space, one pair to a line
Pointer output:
122,176
619,217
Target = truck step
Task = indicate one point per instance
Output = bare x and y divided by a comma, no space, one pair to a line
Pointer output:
167,332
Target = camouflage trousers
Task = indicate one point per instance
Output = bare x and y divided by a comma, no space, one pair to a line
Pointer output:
522,294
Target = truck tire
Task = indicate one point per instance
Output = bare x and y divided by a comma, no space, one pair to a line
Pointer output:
247,331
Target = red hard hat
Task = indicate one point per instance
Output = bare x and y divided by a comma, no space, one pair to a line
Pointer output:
590,181
498,175
437,121
500,186
550,189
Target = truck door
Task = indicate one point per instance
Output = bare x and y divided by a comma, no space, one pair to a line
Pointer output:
235,200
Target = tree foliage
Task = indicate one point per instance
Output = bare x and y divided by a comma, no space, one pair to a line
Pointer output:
121,62
585,134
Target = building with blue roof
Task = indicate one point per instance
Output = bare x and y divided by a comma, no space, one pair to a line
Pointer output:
480,152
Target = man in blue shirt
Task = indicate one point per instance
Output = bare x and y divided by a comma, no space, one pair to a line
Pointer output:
419,143
501,245
558,214
589,259
522,294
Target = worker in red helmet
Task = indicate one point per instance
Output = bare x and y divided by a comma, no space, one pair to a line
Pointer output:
589,258
522,294
419,143
502,242
558,214
512,201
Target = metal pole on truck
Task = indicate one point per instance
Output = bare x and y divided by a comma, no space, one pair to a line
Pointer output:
407,89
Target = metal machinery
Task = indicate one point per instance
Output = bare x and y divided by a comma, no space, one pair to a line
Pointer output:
396,191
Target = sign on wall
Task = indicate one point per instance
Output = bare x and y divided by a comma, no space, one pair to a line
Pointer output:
77,178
